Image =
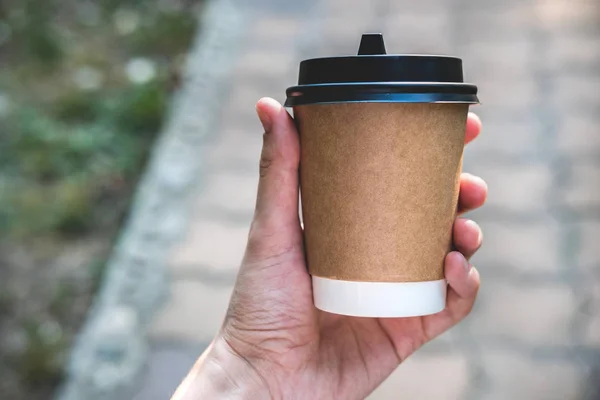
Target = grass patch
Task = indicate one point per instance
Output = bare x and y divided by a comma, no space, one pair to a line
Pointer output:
84,87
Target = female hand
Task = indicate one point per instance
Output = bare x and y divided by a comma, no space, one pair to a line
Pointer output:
274,344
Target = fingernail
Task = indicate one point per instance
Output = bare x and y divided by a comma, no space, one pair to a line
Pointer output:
265,120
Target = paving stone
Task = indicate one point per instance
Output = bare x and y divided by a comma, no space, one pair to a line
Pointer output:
278,7
213,245
582,191
235,148
570,52
590,317
259,60
475,25
521,248
239,112
537,315
167,366
250,87
574,91
343,35
489,76
427,377
355,11
443,344
560,15
592,281
514,136
578,135
418,33
514,187
517,94
507,62
592,331
193,313
591,389
262,71
515,376
229,192
492,6
277,30
418,7
588,254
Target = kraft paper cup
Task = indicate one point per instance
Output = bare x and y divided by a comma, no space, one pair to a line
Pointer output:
379,178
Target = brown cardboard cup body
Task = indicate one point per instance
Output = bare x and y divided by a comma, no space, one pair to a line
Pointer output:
379,187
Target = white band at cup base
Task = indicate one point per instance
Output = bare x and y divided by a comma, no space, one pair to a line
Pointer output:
379,299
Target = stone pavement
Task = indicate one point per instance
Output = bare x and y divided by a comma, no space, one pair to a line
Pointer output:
535,331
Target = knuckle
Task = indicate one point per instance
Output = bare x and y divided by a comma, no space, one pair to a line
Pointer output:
266,158
268,246
264,165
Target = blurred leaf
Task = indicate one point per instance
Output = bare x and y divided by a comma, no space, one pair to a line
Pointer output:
42,360
63,170
111,6
73,207
48,150
41,43
166,35
39,35
58,305
141,108
6,301
76,106
65,207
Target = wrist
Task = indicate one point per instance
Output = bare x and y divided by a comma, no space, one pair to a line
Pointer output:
221,373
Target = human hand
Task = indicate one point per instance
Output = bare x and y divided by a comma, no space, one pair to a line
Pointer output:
274,344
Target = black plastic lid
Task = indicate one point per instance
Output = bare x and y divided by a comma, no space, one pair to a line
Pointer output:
374,76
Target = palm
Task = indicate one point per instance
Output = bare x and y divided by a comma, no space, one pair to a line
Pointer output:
365,350
354,353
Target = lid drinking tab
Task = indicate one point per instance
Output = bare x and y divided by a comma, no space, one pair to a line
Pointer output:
371,44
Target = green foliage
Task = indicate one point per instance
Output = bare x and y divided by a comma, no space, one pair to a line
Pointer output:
70,153
65,207
35,34
62,172
42,359
167,34
72,207
110,6
47,150
42,44
141,108
59,302
65,148
6,301
76,107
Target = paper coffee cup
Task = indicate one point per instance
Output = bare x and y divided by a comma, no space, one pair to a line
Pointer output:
382,140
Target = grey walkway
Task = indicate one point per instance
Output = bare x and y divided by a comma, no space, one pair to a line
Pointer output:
535,332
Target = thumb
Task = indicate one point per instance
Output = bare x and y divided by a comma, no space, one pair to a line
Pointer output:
276,214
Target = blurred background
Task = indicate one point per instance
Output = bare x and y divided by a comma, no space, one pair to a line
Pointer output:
128,168
84,87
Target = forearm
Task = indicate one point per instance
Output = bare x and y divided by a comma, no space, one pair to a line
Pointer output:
220,374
